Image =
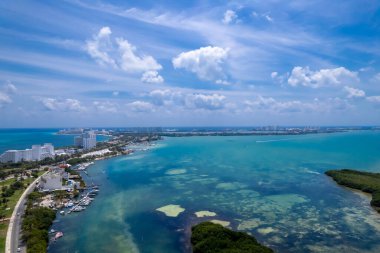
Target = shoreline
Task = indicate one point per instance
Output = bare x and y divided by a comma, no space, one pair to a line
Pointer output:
359,182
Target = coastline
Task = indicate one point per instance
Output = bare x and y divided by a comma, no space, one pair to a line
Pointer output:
365,183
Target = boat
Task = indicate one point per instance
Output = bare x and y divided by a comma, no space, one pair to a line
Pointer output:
58,235
78,209
62,212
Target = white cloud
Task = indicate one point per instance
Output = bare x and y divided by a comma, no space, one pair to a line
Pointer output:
272,105
4,99
268,18
104,32
130,61
325,77
116,93
279,78
222,82
152,77
205,62
10,88
166,97
190,101
265,16
229,16
354,93
140,106
205,101
5,94
374,99
269,103
120,54
100,46
68,104
105,106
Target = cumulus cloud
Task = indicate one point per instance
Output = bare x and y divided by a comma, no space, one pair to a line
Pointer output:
223,82
205,62
205,101
293,106
269,103
166,97
229,16
69,104
140,106
188,100
279,78
152,77
120,54
374,99
100,46
354,93
303,76
4,99
6,91
10,88
105,106
274,74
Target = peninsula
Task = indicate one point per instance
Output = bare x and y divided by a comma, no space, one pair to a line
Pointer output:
364,181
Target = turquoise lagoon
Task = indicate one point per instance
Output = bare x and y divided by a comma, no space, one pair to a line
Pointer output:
270,186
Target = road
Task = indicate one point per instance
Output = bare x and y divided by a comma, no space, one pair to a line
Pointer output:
13,240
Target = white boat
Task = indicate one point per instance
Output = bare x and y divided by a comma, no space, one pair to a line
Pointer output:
58,235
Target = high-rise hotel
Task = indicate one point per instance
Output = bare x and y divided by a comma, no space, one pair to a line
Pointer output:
87,140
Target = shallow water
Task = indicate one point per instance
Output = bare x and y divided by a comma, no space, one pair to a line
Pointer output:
270,186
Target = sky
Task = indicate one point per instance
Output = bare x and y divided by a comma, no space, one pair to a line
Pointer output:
122,63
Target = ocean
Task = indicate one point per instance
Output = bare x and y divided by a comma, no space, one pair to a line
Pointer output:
25,138
272,187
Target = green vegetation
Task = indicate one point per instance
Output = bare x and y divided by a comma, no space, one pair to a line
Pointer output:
208,237
364,181
35,227
7,204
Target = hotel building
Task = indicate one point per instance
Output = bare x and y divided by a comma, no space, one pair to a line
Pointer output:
36,153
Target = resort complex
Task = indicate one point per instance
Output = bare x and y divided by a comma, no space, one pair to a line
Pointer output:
36,153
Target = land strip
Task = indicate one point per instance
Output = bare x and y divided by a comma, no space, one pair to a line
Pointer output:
368,182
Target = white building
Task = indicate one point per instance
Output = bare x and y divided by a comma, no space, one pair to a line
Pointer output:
87,140
37,153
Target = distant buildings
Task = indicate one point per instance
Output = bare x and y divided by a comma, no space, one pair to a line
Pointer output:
36,153
86,140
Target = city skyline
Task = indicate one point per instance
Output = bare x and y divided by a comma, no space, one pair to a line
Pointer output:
116,63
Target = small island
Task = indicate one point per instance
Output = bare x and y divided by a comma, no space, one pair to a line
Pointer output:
208,237
364,181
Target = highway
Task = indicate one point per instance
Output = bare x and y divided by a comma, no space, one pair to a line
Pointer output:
13,240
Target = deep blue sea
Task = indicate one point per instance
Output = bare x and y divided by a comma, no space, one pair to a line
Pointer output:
25,138
272,187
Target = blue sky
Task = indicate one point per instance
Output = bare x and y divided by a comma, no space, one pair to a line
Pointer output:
189,63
